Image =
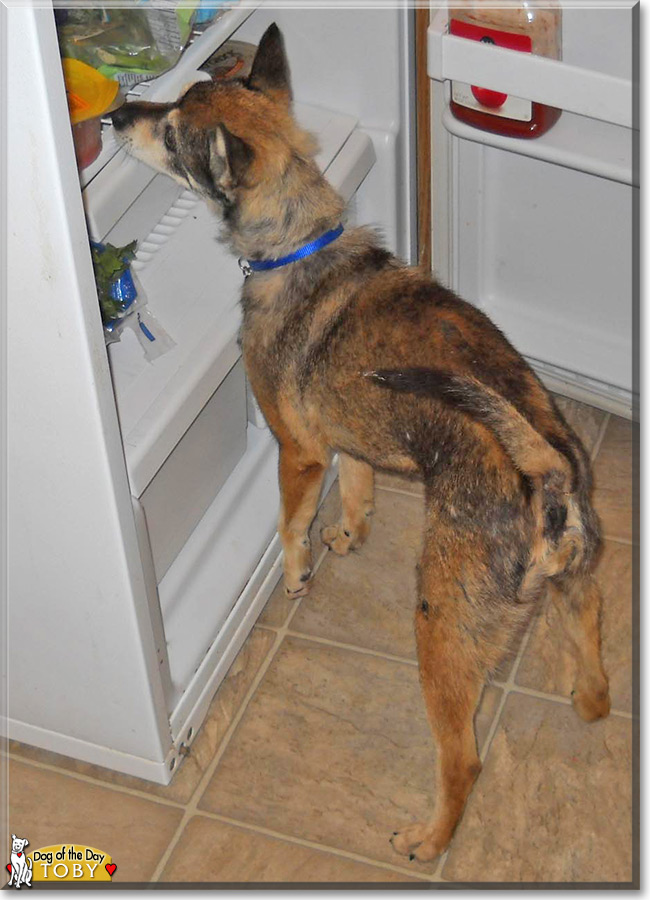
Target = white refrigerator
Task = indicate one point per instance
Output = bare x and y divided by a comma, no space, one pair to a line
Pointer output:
142,495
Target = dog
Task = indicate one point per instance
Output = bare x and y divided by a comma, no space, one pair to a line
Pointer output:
21,867
350,351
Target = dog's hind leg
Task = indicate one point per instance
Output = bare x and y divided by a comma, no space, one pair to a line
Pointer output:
452,672
578,601
356,483
301,478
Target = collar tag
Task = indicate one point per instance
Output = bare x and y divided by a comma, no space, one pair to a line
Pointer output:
245,267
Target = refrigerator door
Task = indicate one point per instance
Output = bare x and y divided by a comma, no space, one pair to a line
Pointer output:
85,673
539,233
138,563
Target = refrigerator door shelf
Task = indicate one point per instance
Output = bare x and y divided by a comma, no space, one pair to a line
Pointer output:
192,284
558,83
577,142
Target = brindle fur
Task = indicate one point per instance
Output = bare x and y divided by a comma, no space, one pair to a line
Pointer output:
350,351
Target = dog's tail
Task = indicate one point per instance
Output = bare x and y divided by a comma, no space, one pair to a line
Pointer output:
546,457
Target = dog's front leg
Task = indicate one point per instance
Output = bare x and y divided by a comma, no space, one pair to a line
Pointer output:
300,483
356,483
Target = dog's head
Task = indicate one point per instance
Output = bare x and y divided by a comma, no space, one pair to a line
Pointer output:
222,139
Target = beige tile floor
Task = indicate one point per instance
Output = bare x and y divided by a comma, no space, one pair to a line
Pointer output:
316,745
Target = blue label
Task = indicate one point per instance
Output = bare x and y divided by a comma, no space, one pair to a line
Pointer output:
123,289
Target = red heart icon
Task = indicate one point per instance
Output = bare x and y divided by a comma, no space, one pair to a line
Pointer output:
21,853
9,868
110,868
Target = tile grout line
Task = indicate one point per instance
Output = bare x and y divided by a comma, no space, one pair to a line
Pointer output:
497,683
96,782
599,440
618,540
403,491
557,698
355,648
314,845
191,807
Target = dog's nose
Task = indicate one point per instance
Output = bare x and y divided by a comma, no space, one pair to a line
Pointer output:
122,117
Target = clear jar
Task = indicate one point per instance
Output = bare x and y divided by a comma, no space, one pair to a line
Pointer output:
532,26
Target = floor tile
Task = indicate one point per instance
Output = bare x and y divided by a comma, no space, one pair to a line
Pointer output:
553,803
613,479
225,704
368,597
547,664
586,421
53,808
211,852
334,747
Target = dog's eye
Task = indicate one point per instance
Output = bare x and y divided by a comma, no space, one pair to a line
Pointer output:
170,139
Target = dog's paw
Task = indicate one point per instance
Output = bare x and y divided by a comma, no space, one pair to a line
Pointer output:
300,587
298,572
591,705
417,842
341,541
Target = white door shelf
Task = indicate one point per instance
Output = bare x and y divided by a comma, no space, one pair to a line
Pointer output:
594,132
577,142
558,83
193,283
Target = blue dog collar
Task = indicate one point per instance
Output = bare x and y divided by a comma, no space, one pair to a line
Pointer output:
263,265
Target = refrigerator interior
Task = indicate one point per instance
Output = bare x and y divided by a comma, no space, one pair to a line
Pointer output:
200,462
539,233
193,282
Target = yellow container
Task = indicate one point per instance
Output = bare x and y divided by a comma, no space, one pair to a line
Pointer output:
90,94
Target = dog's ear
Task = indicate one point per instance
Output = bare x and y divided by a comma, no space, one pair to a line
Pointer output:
270,71
230,158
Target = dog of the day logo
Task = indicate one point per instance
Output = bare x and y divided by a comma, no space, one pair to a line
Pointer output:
60,862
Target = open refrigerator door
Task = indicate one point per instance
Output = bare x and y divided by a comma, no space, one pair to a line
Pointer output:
539,233
197,486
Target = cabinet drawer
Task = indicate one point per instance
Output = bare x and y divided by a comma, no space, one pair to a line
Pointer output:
195,470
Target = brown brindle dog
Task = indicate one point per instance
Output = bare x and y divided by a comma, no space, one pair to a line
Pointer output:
350,351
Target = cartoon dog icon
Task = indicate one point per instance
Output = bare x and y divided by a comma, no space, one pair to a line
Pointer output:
21,867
